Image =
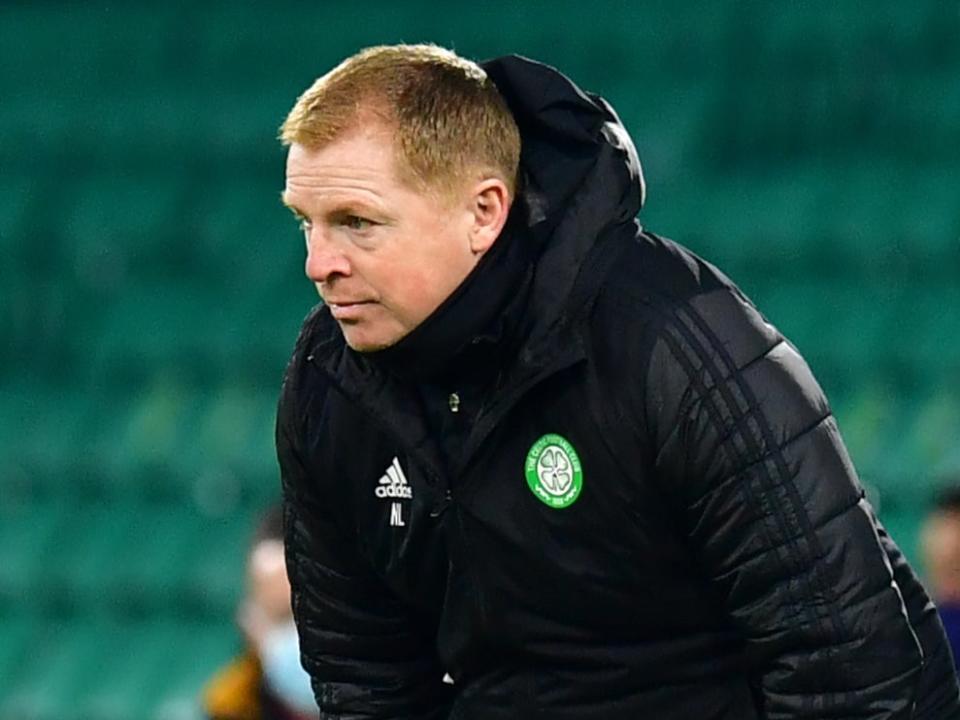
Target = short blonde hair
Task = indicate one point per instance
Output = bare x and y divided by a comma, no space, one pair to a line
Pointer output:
448,118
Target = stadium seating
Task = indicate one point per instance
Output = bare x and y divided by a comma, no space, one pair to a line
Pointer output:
151,282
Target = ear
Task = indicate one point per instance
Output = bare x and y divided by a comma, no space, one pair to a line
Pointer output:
489,207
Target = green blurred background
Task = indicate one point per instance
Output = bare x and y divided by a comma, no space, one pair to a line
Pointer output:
151,284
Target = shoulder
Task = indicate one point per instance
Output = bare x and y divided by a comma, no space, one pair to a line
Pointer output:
659,287
653,265
664,320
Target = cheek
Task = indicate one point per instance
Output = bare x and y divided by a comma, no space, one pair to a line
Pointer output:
420,290
419,272
428,274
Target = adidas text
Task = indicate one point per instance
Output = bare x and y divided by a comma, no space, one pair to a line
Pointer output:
393,483
394,491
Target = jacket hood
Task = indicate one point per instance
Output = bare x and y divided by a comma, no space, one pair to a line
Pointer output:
565,132
580,176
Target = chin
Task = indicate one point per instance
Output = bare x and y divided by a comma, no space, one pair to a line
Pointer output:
362,347
366,343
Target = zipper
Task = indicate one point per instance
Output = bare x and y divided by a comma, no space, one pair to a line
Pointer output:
434,479
489,419
440,509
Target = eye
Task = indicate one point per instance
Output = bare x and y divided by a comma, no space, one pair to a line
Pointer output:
355,222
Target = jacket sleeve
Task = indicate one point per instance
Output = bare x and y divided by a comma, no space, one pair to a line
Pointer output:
752,462
364,654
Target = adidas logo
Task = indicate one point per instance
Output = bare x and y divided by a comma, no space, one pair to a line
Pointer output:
393,484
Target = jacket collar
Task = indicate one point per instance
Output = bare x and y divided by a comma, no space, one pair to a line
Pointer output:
465,338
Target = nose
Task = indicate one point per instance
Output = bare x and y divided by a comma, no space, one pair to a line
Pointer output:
324,259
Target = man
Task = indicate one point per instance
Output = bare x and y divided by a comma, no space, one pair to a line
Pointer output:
941,553
532,446
266,682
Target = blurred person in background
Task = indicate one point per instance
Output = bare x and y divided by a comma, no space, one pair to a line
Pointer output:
940,540
528,443
267,681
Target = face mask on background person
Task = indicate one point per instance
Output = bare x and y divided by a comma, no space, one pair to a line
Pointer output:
282,671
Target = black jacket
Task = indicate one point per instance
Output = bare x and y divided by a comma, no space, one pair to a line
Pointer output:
720,560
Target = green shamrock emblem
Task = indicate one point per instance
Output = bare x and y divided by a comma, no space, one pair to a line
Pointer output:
553,471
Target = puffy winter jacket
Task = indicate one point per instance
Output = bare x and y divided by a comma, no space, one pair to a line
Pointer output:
653,515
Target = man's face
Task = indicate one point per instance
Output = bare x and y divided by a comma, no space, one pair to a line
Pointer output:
382,254
267,602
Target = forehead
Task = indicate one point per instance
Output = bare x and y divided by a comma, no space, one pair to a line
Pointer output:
365,163
365,150
358,166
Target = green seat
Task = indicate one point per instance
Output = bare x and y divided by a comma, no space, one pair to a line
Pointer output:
212,584
926,325
174,443
117,228
16,201
134,658
18,634
137,655
28,536
934,434
90,548
157,550
208,645
62,657
272,255
154,669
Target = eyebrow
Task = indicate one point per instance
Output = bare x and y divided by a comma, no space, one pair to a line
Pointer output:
290,206
343,207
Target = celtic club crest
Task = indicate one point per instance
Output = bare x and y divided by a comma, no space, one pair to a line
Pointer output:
553,471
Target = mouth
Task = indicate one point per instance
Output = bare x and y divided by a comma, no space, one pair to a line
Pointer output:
347,310
346,303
